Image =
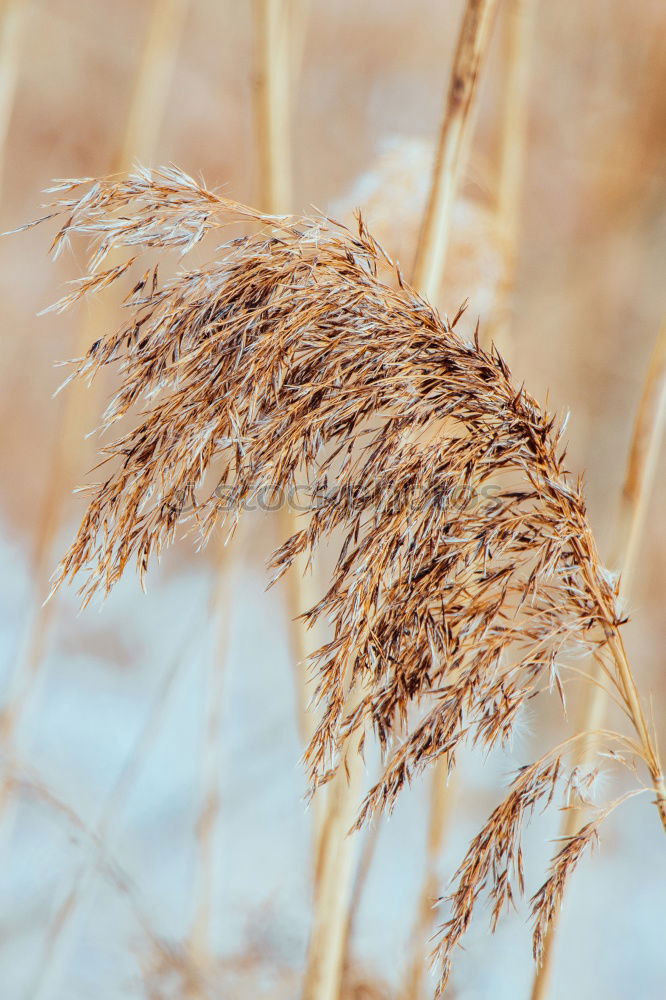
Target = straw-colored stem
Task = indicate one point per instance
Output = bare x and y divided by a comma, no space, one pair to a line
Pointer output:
272,103
333,808
12,23
518,34
334,851
299,19
153,82
641,467
360,879
325,959
280,37
629,689
452,152
441,802
300,596
433,241
642,464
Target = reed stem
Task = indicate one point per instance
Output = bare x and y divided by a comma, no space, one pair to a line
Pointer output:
363,868
441,802
518,38
13,17
300,597
299,19
644,450
452,152
280,30
333,892
333,848
472,48
272,104
153,82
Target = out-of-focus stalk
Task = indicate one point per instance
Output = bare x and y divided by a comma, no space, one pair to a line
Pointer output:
441,803
333,891
452,153
514,108
153,83
472,48
280,31
333,848
272,105
647,438
13,16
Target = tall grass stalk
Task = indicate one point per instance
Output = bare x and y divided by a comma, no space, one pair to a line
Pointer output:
519,16
442,799
281,27
152,88
471,50
334,885
361,874
299,20
273,86
13,20
452,153
646,442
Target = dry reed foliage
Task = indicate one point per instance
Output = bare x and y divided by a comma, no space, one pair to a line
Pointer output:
467,571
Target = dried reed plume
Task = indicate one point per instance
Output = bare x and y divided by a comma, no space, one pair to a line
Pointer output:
467,572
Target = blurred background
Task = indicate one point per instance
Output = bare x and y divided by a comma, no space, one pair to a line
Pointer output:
154,838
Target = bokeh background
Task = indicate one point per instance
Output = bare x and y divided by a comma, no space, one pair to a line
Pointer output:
154,837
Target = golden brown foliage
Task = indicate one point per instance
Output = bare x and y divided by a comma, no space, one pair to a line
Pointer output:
467,571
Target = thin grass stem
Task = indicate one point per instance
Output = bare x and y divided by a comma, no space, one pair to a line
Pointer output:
452,152
13,19
272,105
644,451
334,886
434,236
519,16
